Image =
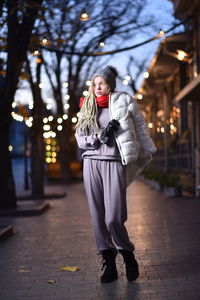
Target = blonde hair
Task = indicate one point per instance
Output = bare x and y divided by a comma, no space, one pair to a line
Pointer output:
88,113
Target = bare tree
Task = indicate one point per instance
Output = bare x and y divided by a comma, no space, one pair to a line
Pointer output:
21,17
110,22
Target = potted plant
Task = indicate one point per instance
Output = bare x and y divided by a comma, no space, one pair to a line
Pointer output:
171,186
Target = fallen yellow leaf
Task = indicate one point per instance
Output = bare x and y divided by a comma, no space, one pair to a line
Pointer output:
51,281
70,269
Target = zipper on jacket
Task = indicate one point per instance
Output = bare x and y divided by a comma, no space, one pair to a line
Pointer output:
118,143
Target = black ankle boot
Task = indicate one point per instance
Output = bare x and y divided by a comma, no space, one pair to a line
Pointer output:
110,272
131,264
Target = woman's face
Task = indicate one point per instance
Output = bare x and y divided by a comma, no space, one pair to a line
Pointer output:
100,87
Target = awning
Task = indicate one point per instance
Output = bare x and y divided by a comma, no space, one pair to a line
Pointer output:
190,92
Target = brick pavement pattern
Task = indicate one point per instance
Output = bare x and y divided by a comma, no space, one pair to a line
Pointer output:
165,232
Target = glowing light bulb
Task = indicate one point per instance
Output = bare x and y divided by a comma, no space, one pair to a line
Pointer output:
127,77
139,96
45,120
88,82
146,74
181,54
65,84
50,118
66,106
85,93
125,82
14,104
84,16
44,41
59,120
102,44
41,85
59,127
74,120
65,117
36,52
67,97
46,127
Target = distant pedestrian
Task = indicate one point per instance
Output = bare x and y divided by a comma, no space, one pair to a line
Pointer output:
118,146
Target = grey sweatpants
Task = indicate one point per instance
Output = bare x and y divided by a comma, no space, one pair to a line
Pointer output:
105,186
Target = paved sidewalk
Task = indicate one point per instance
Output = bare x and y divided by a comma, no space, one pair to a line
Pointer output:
165,233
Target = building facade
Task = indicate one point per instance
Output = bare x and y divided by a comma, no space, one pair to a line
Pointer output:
171,99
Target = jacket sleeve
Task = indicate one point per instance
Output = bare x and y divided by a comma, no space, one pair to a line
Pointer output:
87,142
141,129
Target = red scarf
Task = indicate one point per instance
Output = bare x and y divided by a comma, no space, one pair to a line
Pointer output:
102,101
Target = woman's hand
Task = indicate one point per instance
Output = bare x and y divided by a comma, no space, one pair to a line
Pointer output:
108,131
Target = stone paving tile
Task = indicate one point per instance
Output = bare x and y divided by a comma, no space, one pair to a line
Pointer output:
165,233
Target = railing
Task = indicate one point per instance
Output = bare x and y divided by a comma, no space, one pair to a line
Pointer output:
177,160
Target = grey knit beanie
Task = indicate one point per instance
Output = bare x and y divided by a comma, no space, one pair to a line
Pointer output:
110,74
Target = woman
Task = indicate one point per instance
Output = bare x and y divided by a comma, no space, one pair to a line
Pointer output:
118,146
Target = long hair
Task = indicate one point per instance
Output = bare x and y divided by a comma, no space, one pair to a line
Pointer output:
88,113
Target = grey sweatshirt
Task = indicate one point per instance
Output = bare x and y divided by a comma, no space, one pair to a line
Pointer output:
90,143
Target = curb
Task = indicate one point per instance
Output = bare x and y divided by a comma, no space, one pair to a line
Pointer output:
25,209
5,231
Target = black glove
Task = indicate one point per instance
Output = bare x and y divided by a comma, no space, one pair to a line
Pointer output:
107,132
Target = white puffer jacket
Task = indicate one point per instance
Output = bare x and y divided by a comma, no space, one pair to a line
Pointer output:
132,137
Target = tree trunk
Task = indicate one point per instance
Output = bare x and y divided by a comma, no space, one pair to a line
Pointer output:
64,154
37,164
37,142
7,186
17,44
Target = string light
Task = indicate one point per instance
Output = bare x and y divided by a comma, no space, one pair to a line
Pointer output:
14,104
45,120
88,82
74,120
46,127
67,97
66,106
125,82
146,74
85,93
59,127
59,120
127,77
160,34
38,60
41,85
28,123
44,41
48,147
54,154
10,148
50,118
65,117
84,16
139,96
31,104
48,160
36,52
65,84
181,54
101,44
48,106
